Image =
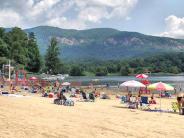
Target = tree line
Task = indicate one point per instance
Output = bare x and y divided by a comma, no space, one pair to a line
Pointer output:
21,48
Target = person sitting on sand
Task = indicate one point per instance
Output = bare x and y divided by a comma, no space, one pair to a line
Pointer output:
91,96
96,93
138,100
2,86
104,96
129,95
61,96
152,101
83,95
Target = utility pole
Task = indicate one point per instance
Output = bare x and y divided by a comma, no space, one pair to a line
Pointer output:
9,71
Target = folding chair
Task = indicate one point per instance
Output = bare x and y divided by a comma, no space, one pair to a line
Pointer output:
144,103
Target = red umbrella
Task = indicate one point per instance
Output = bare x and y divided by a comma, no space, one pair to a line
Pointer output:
33,78
141,76
145,82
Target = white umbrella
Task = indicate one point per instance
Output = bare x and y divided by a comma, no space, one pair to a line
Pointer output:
66,84
132,83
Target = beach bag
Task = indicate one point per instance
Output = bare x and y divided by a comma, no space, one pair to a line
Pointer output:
69,102
51,95
175,106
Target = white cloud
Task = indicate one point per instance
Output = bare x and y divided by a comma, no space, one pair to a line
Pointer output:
95,10
42,6
9,18
62,22
92,14
174,27
77,14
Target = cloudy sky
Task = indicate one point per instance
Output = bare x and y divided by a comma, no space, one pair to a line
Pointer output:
155,17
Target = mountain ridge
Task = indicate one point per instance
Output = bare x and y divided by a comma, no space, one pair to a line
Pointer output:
104,43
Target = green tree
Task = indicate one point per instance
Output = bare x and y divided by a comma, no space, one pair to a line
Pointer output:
101,71
125,71
2,32
52,62
34,59
3,49
174,69
76,71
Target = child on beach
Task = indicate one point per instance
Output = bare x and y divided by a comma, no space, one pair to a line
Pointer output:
152,101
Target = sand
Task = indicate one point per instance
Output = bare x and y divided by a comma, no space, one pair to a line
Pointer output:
37,117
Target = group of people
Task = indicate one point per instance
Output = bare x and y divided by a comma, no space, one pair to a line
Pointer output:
136,101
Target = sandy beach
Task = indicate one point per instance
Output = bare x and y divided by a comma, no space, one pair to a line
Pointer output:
28,117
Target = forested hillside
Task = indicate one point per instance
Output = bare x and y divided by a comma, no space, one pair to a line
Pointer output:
103,43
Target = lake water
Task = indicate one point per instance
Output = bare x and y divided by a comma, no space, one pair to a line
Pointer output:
114,80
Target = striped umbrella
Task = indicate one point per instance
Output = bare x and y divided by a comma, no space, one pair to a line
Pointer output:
141,76
160,86
132,83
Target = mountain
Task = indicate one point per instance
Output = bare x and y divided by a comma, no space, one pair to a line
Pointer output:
104,43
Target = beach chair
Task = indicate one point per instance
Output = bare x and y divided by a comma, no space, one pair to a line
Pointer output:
144,103
167,94
91,97
124,99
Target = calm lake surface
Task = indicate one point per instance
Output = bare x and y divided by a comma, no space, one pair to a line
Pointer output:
114,80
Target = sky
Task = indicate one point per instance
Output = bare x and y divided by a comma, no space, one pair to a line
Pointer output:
153,17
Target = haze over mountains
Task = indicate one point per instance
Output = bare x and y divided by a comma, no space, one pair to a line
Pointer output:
104,43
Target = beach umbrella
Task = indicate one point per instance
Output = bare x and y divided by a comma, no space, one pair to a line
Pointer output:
141,76
66,84
132,83
160,86
33,78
